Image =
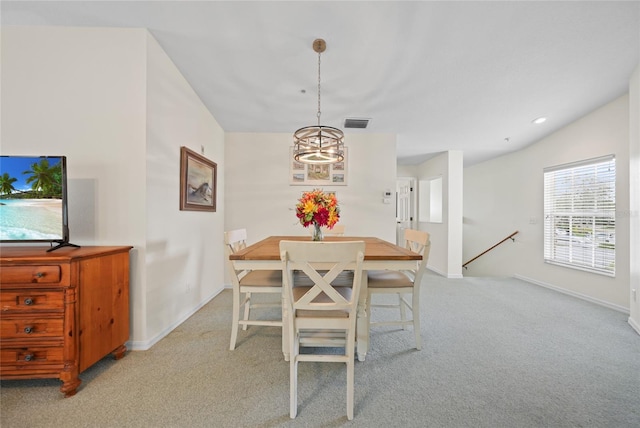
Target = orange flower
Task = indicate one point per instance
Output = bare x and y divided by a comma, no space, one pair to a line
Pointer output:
317,207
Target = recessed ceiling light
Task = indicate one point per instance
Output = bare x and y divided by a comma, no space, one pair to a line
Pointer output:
539,120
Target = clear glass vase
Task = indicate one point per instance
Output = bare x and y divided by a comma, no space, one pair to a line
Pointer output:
317,233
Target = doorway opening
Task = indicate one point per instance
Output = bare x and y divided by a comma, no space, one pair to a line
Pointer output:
406,206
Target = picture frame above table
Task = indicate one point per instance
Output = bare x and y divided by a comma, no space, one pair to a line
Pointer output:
198,181
301,174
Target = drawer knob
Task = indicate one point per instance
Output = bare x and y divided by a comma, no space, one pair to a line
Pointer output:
28,357
39,275
28,329
28,301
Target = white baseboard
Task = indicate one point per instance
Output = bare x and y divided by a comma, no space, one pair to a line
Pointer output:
449,276
574,294
147,344
634,325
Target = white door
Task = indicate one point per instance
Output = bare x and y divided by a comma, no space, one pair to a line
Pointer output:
405,207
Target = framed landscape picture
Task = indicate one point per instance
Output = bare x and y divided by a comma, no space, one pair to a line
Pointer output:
197,182
301,174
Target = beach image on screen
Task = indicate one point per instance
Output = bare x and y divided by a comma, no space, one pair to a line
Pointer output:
31,198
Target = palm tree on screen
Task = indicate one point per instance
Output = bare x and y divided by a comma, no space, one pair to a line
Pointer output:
6,184
45,179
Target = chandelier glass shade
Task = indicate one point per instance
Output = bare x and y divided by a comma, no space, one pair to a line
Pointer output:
318,144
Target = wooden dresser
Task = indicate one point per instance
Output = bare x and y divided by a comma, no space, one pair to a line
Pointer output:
62,311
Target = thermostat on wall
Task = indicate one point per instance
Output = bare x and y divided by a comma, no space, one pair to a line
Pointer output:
386,196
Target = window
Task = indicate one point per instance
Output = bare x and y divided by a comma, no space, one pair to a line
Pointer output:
430,201
579,215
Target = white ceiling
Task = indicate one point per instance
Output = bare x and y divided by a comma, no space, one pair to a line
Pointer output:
441,75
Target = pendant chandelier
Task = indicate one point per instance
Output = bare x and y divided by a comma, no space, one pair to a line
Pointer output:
318,144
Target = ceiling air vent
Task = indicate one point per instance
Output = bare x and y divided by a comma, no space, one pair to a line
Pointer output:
356,123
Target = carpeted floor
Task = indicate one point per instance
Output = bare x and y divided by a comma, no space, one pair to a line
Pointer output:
497,352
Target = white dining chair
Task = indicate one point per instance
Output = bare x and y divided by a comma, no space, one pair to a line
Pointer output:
246,283
336,230
322,306
402,283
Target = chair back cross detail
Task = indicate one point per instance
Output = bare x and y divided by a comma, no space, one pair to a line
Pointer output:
322,282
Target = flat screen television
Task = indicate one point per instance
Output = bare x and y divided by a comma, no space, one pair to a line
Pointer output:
33,200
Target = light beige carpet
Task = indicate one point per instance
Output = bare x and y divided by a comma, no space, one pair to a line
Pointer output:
496,353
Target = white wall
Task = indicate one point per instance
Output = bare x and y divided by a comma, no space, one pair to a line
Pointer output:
82,94
260,199
184,263
506,194
112,102
407,171
634,202
445,256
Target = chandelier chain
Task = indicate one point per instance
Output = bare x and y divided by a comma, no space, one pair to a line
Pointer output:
318,144
319,53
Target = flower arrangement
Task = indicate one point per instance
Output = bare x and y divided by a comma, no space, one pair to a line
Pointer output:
318,208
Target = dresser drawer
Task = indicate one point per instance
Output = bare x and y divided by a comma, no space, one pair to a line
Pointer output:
23,301
29,327
51,274
31,356
62,311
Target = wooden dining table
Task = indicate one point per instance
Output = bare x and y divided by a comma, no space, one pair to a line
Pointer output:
379,255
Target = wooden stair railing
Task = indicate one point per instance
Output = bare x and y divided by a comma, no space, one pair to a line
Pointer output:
489,249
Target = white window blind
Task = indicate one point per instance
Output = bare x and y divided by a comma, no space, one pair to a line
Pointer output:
579,213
